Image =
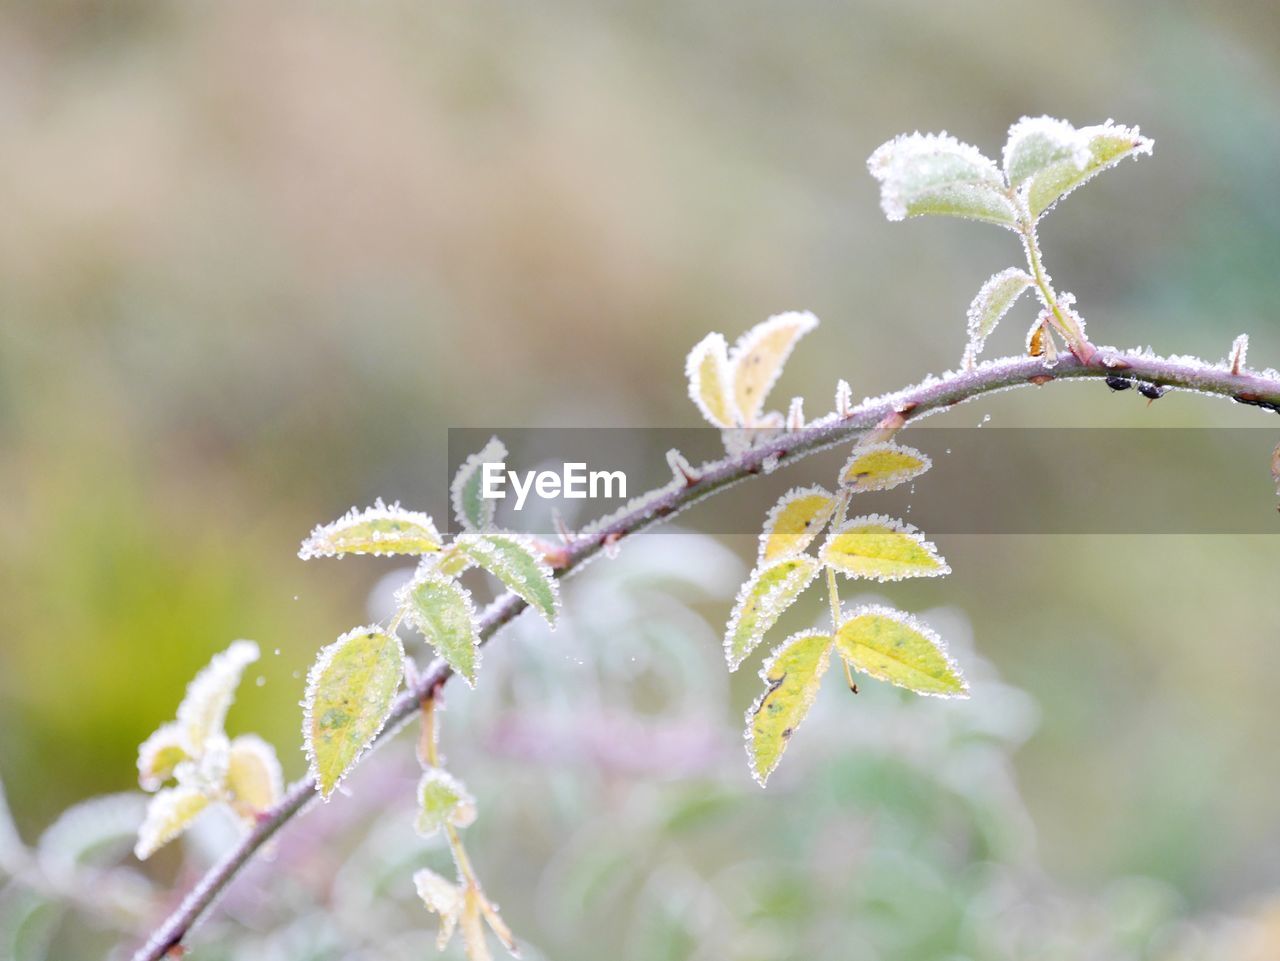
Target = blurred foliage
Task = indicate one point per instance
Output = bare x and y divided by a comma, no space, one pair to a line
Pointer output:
255,259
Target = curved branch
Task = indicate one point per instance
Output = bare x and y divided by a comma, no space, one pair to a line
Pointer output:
889,411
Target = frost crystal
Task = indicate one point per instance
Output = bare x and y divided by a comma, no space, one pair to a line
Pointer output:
203,710
758,357
473,511
893,646
1239,351
937,174
844,399
707,371
376,530
795,414
883,549
998,294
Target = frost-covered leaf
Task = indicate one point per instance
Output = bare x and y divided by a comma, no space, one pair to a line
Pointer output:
350,690
376,530
168,815
707,369
516,561
160,754
474,511
442,799
769,591
799,516
90,832
442,610
758,357
1051,159
253,775
203,710
791,676
441,897
993,301
937,174
895,647
879,467
882,549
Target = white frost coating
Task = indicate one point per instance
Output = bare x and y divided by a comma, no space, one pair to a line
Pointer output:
1239,351
441,897
203,710
323,541
322,662
914,163
932,636
795,414
167,816
844,399
718,348
897,527
479,547
823,663
463,810
785,501
803,321
422,575
993,301
681,469
1036,142
1091,137
167,739
493,452
771,605
251,749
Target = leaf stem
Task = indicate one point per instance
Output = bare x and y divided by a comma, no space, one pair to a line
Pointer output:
911,403
1063,319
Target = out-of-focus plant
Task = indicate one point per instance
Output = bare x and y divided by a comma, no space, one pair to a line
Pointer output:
362,686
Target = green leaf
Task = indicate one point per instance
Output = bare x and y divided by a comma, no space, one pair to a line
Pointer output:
168,815
707,369
350,690
894,647
379,530
442,610
203,710
769,591
937,174
442,800
474,511
800,515
879,467
515,561
791,676
993,301
758,358
882,549
1050,158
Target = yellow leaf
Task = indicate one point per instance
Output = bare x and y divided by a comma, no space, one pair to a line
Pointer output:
882,549
791,676
253,775
168,815
758,358
894,647
767,593
707,368
350,690
375,530
793,523
203,710
879,467
160,754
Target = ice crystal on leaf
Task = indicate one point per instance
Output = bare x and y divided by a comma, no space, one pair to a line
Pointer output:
442,610
375,530
800,515
769,591
516,561
350,690
792,675
937,174
892,646
707,369
758,358
442,799
194,751
473,511
998,294
879,467
441,897
882,549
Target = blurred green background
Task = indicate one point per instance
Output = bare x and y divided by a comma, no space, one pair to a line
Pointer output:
256,259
